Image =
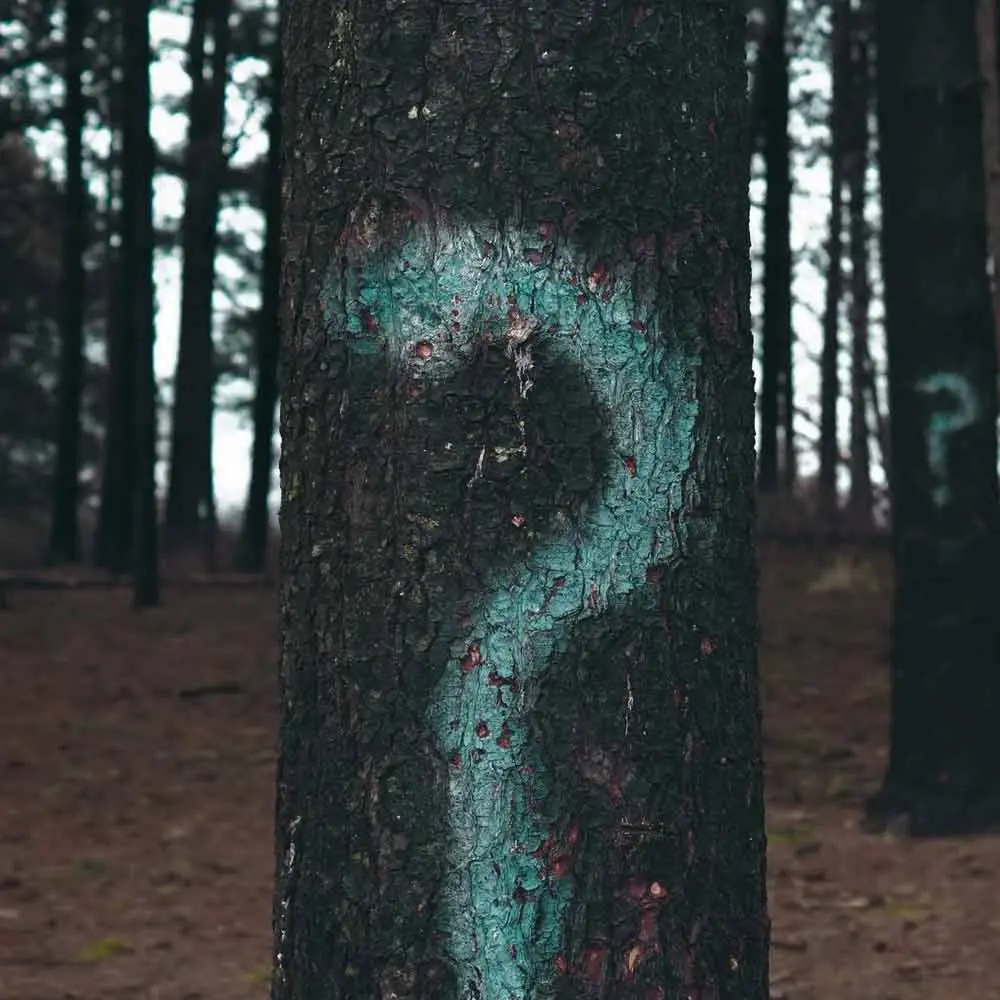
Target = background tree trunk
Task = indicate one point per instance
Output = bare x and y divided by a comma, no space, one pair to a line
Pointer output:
113,534
777,459
829,445
988,29
944,763
860,503
137,281
189,518
252,553
519,601
64,539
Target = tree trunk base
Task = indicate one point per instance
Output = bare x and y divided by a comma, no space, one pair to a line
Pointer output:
919,811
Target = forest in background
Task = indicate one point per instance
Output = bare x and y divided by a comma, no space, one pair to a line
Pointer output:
73,161
77,180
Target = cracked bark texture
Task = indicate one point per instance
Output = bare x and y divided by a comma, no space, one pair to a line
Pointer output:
520,750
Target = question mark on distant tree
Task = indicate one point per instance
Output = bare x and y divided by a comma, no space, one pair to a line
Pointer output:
946,421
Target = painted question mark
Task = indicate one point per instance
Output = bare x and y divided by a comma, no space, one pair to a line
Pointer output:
944,423
499,820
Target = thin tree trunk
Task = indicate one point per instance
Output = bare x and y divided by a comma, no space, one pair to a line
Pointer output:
520,748
829,445
113,535
860,501
252,552
776,413
189,521
137,280
64,539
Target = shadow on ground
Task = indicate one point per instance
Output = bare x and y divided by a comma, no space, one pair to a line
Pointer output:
136,770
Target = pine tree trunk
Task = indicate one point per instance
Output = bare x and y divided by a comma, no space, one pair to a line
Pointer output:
137,282
188,521
944,760
520,746
115,520
860,503
64,538
777,459
988,30
829,446
252,552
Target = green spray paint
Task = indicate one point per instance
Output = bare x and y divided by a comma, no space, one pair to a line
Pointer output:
943,423
502,909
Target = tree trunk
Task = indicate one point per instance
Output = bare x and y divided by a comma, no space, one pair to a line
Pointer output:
188,522
988,29
137,282
64,538
520,750
859,502
829,445
777,458
944,762
252,552
115,520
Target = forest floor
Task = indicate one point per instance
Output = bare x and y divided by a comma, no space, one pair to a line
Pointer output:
136,800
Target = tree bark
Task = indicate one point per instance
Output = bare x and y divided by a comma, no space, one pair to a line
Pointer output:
252,552
777,454
520,746
829,445
860,503
944,762
988,32
189,522
137,287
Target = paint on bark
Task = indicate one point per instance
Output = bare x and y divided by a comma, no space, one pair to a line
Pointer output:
963,411
429,304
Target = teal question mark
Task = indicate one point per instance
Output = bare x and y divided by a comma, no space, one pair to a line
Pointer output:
505,896
944,423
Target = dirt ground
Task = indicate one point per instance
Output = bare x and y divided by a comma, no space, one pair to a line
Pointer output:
136,799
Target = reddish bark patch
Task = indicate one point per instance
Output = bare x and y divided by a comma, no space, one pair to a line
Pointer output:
368,322
471,659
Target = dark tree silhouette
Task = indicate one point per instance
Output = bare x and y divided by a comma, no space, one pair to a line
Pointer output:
829,450
252,551
64,539
113,535
777,445
943,773
137,289
189,520
860,502
519,597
